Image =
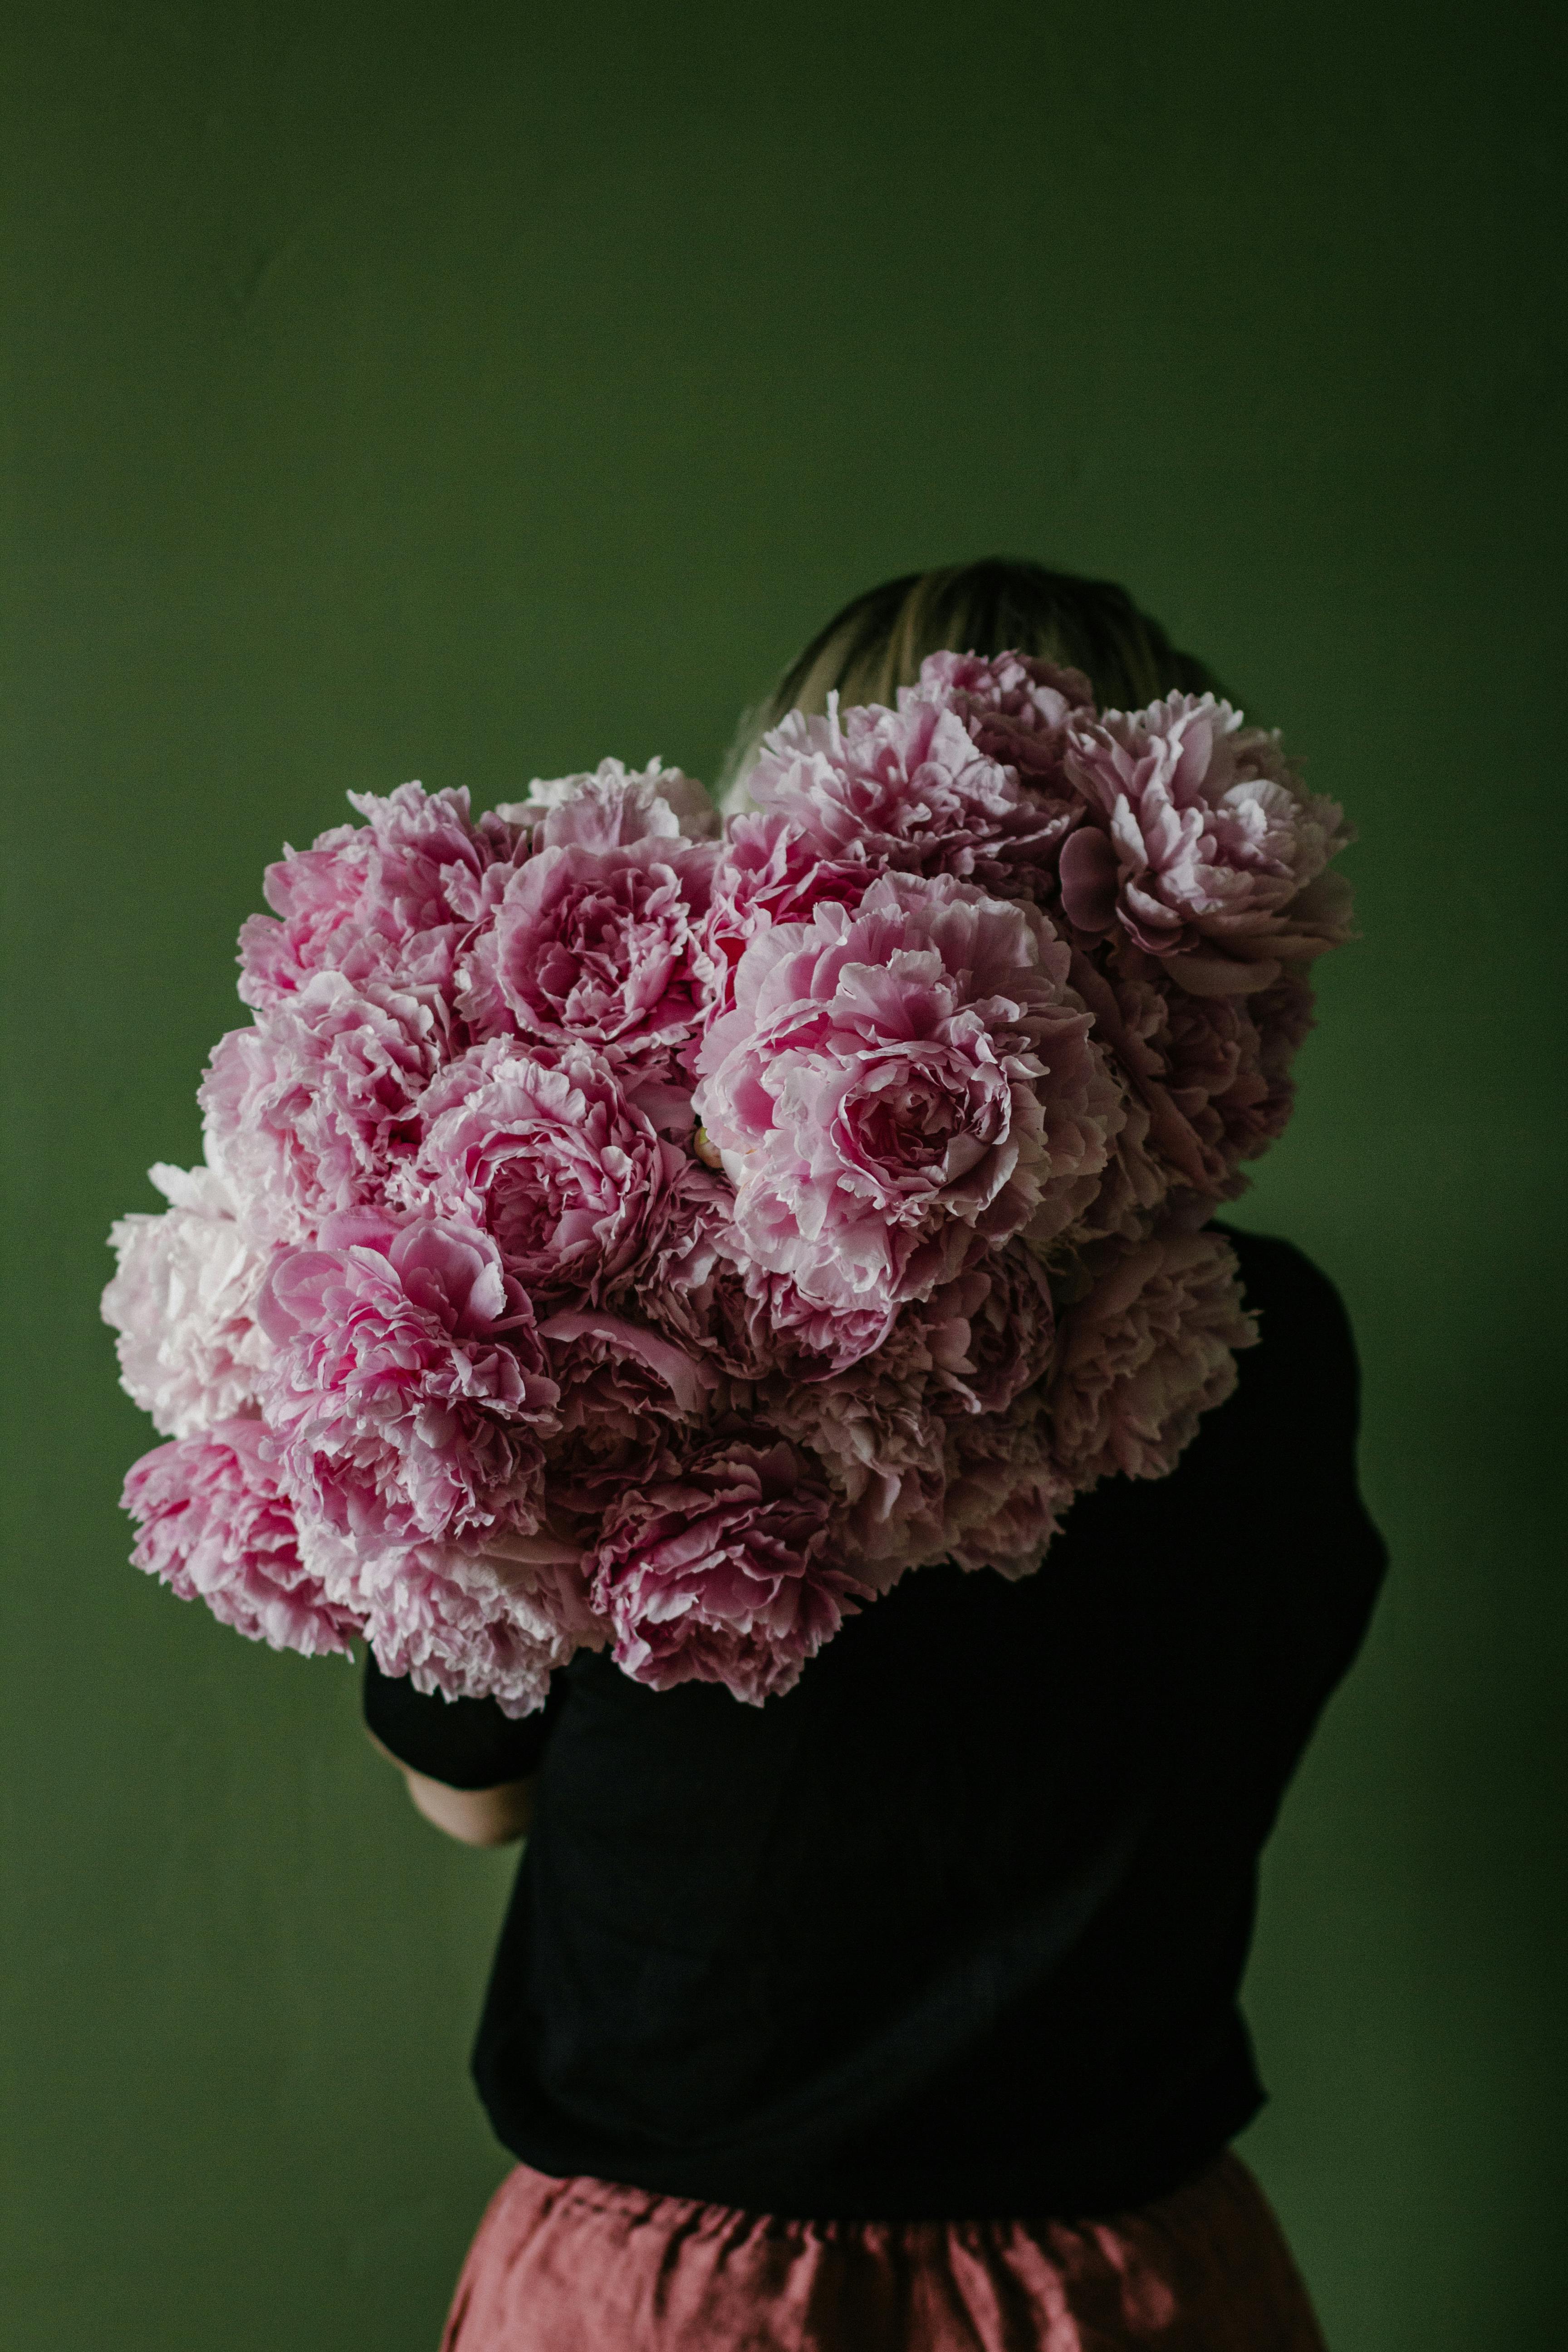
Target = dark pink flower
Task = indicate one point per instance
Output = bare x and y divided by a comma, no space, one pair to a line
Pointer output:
876,1433
1255,1108
1018,709
1006,1495
312,1109
551,1158
216,1525
1201,845
894,1082
770,872
621,1376
601,946
408,1387
386,900
718,1572
989,1332
1145,1354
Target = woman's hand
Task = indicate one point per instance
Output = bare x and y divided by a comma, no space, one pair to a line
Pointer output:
497,1816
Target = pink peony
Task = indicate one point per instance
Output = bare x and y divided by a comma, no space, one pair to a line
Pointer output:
1015,708
717,1572
769,872
1148,1351
408,1388
703,1288
906,790
549,1157
1200,845
894,1082
312,1109
384,900
601,946
611,805
493,1623
183,1303
1006,1494
989,1332
620,1373
1255,1108
216,1525
875,1431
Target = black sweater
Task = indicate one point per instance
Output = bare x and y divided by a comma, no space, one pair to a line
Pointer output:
956,1927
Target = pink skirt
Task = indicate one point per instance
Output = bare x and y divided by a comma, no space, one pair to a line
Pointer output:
585,2266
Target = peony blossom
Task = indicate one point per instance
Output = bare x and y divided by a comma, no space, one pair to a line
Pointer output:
217,1526
408,1388
1147,1352
611,805
894,1083
989,1333
184,1304
493,1623
386,900
769,872
1005,1494
551,1158
1200,845
617,1232
718,1571
601,946
875,1431
312,1109
907,791
1017,710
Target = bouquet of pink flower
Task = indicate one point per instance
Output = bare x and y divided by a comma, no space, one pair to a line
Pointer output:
617,1229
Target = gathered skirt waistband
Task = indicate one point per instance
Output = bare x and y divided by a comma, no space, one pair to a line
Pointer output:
585,2265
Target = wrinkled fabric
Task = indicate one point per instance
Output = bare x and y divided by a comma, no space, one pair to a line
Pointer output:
585,2266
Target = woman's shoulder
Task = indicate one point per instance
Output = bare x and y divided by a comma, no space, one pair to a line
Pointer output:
1305,1351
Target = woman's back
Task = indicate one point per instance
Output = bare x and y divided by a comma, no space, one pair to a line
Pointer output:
956,1926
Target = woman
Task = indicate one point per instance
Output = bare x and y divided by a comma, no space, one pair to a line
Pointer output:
901,2014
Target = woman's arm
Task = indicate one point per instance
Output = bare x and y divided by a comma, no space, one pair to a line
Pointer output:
473,1816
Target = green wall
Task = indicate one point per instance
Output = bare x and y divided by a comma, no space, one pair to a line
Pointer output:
465,393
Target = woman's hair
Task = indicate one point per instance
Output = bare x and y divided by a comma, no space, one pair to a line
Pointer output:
878,641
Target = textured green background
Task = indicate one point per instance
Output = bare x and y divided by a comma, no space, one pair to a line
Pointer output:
465,393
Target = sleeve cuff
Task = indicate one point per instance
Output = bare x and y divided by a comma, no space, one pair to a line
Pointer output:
468,1743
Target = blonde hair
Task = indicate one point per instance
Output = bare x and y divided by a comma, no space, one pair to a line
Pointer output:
878,641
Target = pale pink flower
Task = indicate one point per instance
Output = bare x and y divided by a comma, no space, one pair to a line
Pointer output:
312,1109
610,805
384,900
489,1623
601,946
553,1159
183,1303
1201,844
719,1572
1145,1354
908,790
894,1082
217,1526
408,1387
